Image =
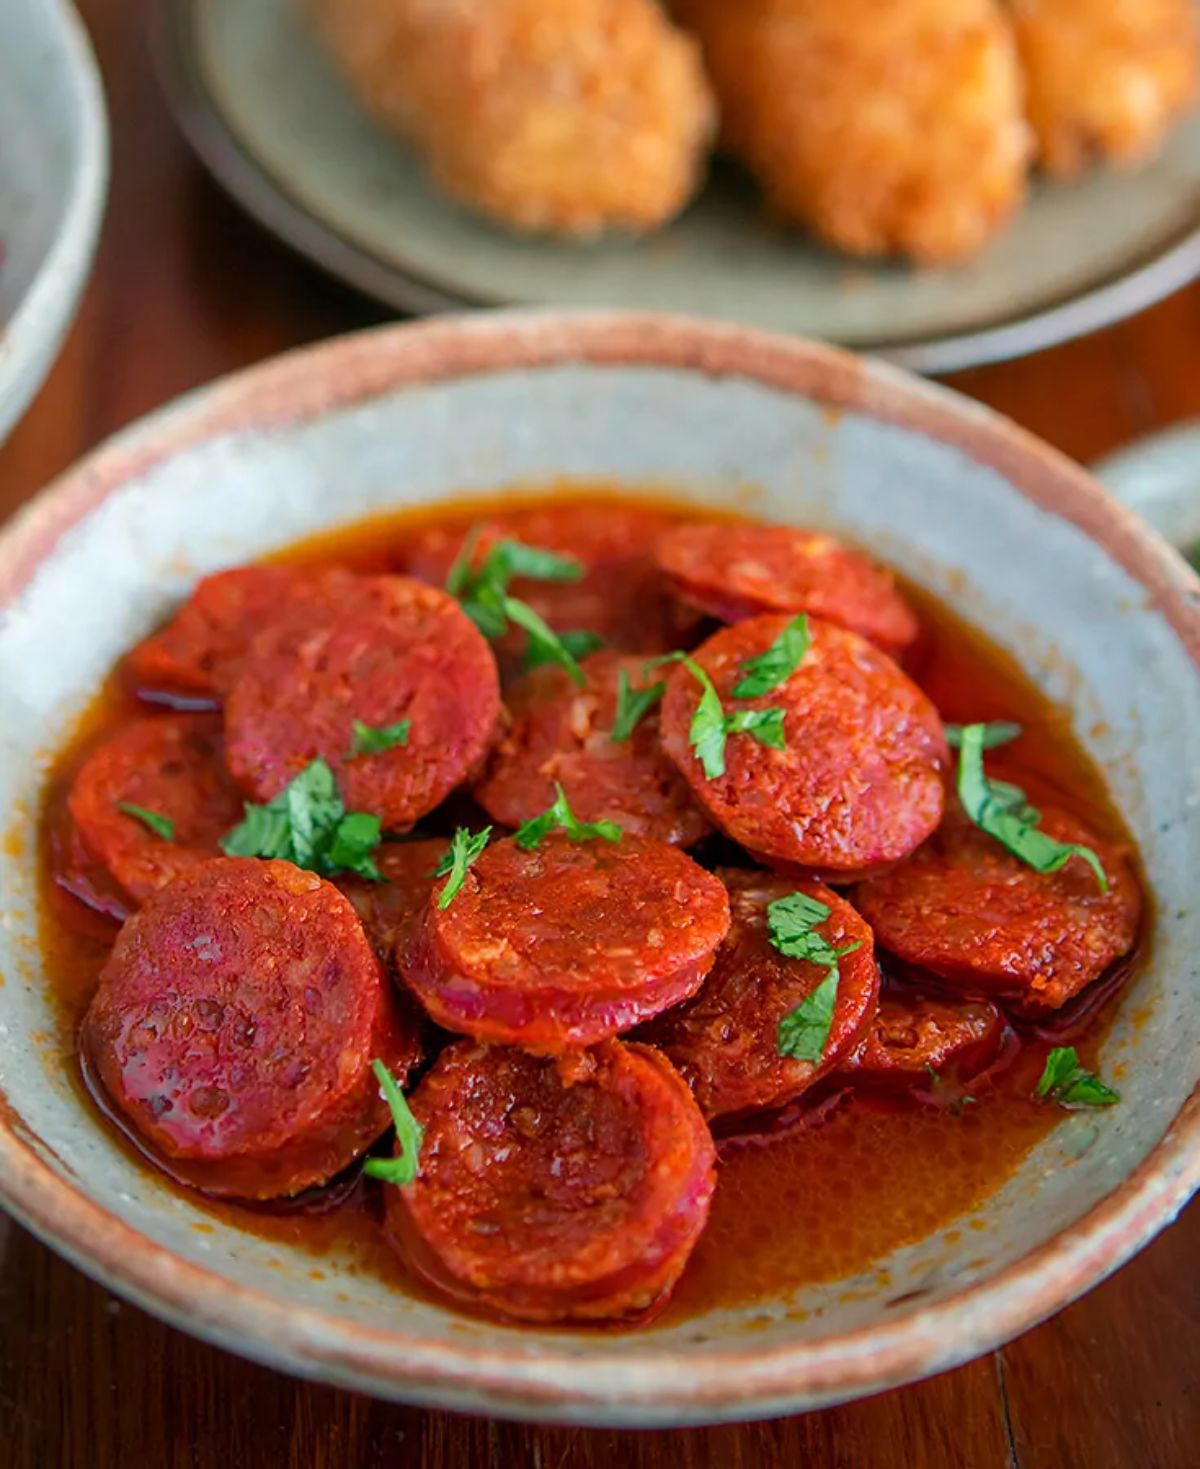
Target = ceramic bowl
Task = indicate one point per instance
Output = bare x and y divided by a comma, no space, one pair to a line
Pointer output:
1004,530
53,175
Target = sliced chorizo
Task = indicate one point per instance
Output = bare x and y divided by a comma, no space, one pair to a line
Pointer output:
964,908
389,909
549,1192
567,944
725,1041
234,1026
197,655
858,783
622,596
172,766
913,1040
399,650
561,733
733,571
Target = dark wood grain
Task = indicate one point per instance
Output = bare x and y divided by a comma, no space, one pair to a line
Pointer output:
186,289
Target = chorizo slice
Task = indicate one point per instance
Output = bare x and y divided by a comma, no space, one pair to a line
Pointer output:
555,1192
567,944
967,910
401,652
725,1041
389,909
622,596
733,571
911,1036
234,1026
171,766
858,783
197,655
561,734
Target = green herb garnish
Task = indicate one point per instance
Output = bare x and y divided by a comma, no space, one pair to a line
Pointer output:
632,706
465,848
711,726
375,739
1001,732
400,1169
161,826
1002,812
578,642
792,929
764,674
1066,1082
307,823
483,595
560,817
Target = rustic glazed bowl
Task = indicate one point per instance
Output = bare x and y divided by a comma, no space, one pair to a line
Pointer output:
53,174
1004,530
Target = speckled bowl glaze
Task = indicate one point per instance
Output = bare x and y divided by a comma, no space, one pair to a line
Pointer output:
53,175
1004,530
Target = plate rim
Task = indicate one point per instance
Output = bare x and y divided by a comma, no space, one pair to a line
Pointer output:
629,1385
233,165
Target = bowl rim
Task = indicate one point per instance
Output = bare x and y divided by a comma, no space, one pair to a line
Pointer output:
48,303
631,1383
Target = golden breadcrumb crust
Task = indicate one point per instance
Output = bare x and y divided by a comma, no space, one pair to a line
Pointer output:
887,128
1105,78
564,116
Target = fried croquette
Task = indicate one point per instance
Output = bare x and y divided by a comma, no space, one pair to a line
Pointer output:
569,117
1104,79
887,128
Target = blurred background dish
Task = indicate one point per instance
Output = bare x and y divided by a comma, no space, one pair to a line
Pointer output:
263,102
53,174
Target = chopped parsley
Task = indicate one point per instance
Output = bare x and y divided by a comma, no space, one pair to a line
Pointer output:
711,726
1001,810
1066,1082
764,674
792,929
578,642
632,706
307,823
161,826
1002,732
465,848
560,817
400,1169
375,739
483,595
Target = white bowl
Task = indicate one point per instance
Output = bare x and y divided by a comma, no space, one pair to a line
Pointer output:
53,175
1004,530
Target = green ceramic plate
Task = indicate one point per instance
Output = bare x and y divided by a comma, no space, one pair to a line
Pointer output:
277,127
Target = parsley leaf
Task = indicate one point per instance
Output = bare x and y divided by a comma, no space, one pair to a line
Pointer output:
560,817
465,848
1002,732
375,739
578,642
545,645
1066,1082
307,823
400,1169
792,929
509,558
711,726
774,667
161,826
1001,811
632,706
804,1030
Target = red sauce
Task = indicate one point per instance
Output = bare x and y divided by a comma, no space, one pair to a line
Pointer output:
820,1202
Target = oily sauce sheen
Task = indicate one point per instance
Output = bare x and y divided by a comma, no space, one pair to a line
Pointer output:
835,1187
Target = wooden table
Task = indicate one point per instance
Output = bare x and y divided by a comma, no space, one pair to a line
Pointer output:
186,289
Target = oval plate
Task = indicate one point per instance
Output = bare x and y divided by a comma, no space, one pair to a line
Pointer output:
267,114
